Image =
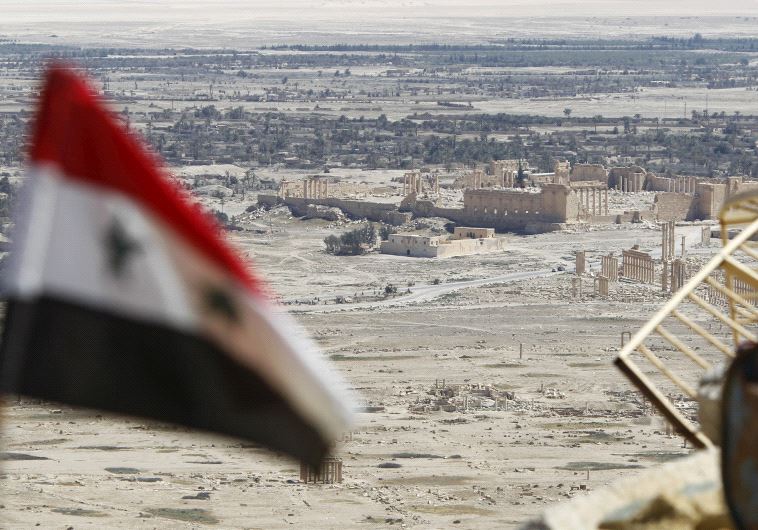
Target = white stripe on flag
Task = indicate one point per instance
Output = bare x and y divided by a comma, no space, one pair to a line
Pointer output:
68,251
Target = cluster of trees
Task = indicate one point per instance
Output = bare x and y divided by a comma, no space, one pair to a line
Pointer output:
352,243
7,201
357,241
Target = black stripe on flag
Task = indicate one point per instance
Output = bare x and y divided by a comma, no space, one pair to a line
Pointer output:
63,351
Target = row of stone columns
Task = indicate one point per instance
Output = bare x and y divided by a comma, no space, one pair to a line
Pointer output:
595,200
509,178
682,184
328,472
476,178
315,188
601,285
609,267
638,266
413,182
630,183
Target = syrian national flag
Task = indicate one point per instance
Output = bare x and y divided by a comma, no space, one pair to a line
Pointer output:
123,296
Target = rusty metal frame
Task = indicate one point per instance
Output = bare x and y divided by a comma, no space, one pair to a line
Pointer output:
741,211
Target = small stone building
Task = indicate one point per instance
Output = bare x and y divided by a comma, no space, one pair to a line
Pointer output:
459,244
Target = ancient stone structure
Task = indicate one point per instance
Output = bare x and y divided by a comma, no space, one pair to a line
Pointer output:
705,203
593,196
323,187
329,472
290,188
576,287
373,211
597,172
667,244
419,246
665,272
474,179
627,179
638,265
561,173
705,236
315,187
503,173
609,267
418,183
678,274
510,208
674,207
581,262
470,232
601,285
680,184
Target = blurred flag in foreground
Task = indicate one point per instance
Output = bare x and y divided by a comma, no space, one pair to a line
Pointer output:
123,296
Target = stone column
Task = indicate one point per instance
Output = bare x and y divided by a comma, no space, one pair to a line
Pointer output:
603,285
706,236
581,262
605,192
594,192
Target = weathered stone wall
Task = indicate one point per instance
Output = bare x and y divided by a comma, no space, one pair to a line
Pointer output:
411,245
589,172
439,247
510,210
711,195
502,209
472,232
373,211
630,178
710,198
674,206
467,247
268,200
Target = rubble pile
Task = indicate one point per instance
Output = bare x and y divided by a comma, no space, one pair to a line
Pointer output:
462,398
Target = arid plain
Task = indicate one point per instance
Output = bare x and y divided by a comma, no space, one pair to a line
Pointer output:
501,321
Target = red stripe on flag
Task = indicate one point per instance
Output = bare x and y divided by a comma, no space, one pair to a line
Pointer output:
75,132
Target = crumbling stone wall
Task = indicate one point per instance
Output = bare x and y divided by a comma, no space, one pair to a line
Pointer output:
373,211
561,172
630,178
439,246
681,184
710,198
582,172
675,206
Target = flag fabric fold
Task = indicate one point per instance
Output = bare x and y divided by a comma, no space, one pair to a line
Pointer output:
122,295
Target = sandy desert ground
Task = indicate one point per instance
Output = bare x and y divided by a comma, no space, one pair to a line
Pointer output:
572,423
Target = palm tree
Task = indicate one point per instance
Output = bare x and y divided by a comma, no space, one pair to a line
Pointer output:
596,119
